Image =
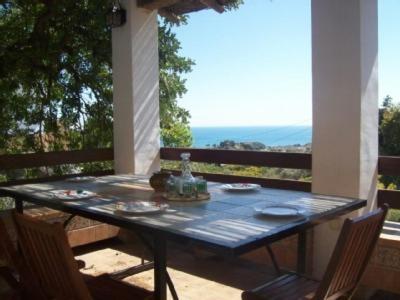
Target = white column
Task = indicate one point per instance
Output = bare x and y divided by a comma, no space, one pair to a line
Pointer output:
345,108
136,96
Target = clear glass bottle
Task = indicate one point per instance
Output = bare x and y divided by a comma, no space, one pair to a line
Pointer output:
188,182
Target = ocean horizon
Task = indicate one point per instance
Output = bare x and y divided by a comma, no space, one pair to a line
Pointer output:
268,135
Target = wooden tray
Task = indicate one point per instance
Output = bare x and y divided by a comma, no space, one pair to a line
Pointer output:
200,197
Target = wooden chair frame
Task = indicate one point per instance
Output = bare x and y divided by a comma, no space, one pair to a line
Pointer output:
58,274
356,243
338,280
8,256
15,271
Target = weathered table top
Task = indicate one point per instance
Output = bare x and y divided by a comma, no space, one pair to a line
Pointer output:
226,223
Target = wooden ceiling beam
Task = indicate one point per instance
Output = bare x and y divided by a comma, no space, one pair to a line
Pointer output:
155,4
214,5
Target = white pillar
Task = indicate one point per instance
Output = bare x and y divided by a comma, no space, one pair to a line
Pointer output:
136,96
345,108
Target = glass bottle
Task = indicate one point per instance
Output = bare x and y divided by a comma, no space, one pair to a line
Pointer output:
188,182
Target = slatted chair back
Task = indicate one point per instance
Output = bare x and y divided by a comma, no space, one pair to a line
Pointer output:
8,257
8,252
13,268
351,255
48,255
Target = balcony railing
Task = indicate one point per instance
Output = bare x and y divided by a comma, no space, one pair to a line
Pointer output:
387,166
247,158
49,159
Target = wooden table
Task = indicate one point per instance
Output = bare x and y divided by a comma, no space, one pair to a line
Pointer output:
225,224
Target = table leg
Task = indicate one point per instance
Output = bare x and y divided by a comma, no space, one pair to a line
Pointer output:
273,259
68,220
19,205
160,268
169,280
302,252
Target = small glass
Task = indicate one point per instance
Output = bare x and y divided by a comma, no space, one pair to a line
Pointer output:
171,186
201,185
188,189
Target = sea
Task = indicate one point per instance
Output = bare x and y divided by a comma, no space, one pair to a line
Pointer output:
268,135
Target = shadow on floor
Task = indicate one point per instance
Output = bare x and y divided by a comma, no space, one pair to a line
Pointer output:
238,273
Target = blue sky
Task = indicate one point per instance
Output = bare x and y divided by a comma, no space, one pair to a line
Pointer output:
253,65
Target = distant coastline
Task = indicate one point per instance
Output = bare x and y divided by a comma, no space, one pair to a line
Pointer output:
270,136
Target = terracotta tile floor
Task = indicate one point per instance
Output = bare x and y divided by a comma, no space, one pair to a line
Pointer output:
196,276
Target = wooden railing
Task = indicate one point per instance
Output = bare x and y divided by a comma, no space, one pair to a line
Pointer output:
34,160
247,158
387,166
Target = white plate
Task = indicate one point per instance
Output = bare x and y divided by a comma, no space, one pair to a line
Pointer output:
81,179
140,207
278,211
240,186
73,194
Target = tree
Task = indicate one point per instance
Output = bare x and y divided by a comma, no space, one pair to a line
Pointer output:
56,82
387,102
175,130
389,128
389,135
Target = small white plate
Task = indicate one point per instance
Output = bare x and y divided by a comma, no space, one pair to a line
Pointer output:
140,207
73,194
81,179
240,187
278,211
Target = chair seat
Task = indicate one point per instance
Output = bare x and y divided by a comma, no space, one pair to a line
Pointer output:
103,287
286,287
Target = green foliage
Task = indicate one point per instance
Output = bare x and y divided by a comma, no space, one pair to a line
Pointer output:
175,130
233,4
390,129
232,145
6,203
393,215
389,136
251,171
56,79
177,134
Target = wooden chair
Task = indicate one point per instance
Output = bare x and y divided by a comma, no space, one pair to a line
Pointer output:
350,257
13,270
7,258
47,253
